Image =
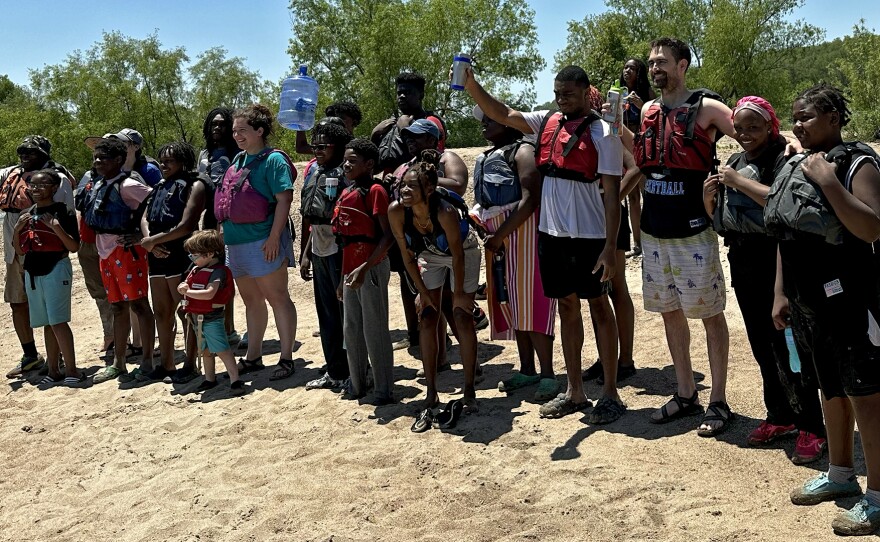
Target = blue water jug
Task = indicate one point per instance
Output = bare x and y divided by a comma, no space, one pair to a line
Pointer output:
794,361
299,98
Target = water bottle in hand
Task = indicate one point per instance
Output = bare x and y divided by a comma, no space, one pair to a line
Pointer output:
794,361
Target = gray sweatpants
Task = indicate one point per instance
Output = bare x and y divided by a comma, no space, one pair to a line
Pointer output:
366,332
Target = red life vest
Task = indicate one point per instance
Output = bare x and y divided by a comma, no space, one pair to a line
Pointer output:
39,237
14,196
198,279
565,148
672,139
352,221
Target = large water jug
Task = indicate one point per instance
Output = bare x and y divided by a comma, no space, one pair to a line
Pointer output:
299,97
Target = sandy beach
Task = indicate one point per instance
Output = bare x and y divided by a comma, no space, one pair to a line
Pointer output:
153,463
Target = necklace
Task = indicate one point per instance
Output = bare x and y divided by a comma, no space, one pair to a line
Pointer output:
419,224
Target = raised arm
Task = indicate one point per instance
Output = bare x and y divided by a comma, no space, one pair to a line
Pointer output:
495,109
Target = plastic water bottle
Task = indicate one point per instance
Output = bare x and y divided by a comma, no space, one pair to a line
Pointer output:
460,63
614,100
794,361
499,277
614,115
299,98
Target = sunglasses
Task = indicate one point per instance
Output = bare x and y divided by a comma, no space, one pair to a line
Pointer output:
40,186
321,146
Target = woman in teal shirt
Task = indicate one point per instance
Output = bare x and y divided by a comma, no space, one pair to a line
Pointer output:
260,253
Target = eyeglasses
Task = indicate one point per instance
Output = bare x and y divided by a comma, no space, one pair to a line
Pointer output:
321,146
40,186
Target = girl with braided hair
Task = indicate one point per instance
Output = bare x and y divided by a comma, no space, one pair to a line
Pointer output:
832,295
171,215
434,237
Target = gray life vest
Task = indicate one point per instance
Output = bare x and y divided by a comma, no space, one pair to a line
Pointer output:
798,209
735,211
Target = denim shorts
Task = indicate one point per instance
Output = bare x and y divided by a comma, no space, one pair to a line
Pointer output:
247,260
213,337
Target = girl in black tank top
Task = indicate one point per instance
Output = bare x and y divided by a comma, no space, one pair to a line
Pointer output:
421,222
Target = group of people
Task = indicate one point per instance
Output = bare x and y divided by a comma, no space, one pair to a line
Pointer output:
799,218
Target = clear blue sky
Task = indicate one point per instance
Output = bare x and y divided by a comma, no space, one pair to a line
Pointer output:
39,33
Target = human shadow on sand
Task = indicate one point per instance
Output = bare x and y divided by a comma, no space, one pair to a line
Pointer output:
494,416
651,381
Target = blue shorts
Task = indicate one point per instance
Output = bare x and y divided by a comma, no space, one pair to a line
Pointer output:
49,301
247,260
213,337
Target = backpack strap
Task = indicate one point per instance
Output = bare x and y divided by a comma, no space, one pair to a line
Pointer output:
694,103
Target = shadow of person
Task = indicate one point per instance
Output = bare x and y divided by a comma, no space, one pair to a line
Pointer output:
653,381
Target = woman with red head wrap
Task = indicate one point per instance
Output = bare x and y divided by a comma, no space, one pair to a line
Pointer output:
735,197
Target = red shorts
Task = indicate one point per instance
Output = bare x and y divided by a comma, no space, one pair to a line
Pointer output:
124,274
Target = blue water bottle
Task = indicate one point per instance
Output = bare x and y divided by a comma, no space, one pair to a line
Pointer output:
794,361
299,98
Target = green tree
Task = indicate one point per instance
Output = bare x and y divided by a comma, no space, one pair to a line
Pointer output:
355,49
739,47
860,74
748,44
220,81
125,82
120,82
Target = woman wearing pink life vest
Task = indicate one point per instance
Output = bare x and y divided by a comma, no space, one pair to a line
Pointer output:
257,234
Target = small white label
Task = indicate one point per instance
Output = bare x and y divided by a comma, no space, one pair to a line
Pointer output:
833,288
698,222
331,181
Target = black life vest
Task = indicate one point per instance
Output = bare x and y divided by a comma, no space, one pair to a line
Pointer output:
167,202
319,198
798,209
435,241
104,210
736,212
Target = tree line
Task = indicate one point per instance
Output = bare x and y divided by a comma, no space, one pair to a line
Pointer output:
355,48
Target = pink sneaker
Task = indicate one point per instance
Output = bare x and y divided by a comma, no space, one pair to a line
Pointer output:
808,448
768,432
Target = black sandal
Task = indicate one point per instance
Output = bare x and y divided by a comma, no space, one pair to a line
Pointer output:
246,366
423,422
283,370
686,407
717,411
448,417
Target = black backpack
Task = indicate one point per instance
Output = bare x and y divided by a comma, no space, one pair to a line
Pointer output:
392,150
